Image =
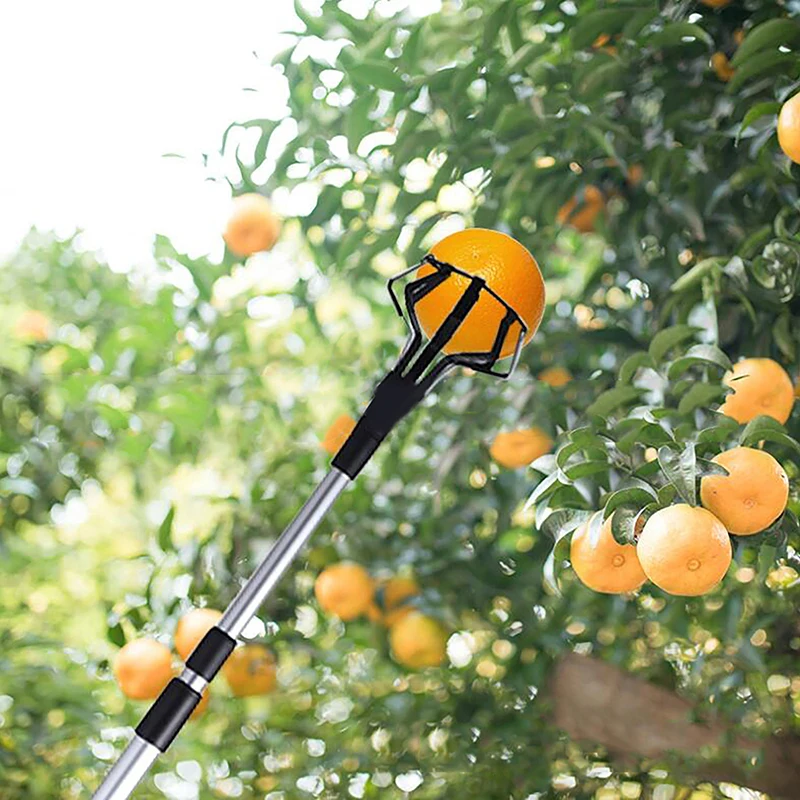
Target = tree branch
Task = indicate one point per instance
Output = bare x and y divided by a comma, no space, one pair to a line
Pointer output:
599,703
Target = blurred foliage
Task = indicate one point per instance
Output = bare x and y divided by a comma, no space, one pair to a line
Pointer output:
162,427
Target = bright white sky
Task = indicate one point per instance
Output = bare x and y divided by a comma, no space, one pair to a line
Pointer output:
92,95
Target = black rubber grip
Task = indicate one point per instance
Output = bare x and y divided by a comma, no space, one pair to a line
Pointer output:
394,397
168,714
212,652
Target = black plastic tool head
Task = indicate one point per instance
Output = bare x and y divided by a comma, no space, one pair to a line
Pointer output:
418,357
423,362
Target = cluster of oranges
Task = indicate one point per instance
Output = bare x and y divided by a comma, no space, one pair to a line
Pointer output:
686,550
347,591
143,667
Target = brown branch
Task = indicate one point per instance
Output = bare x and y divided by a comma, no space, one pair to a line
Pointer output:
598,703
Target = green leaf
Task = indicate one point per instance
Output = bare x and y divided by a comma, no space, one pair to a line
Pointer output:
377,74
696,274
665,340
116,635
631,365
699,354
556,557
586,468
358,122
545,464
755,113
543,488
165,532
623,523
605,21
701,395
770,34
564,453
564,521
638,496
705,468
680,33
612,399
680,469
764,428
493,24
758,65
766,561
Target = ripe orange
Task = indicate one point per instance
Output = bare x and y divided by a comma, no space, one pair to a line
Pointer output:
32,326
600,562
143,668
253,226
337,434
345,590
635,174
738,35
581,212
789,128
418,641
508,269
555,376
250,670
761,386
514,449
192,627
391,601
684,550
715,3
722,67
752,496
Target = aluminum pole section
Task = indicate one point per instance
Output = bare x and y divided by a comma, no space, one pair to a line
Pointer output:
139,755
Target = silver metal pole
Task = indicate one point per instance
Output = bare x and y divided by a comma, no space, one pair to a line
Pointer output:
277,561
139,755
130,768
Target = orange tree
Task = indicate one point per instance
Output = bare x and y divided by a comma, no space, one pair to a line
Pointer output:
657,200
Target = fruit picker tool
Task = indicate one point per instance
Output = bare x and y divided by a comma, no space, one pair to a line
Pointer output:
425,359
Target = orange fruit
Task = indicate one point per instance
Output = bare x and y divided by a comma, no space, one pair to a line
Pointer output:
252,226
345,590
391,601
715,3
192,627
601,40
555,376
581,212
418,641
143,668
789,128
250,670
32,326
760,386
508,269
337,434
201,707
635,174
738,35
752,496
601,562
722,67
513,449
684,550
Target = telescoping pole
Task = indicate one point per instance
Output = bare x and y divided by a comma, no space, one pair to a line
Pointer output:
415,374
172,709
